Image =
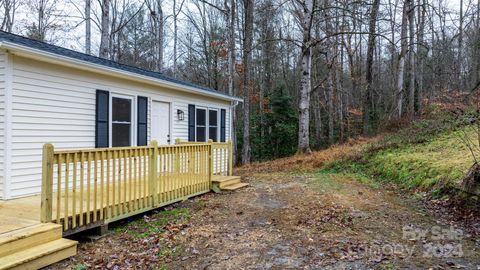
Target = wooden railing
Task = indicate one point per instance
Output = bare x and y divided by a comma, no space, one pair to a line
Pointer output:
86,188
222,156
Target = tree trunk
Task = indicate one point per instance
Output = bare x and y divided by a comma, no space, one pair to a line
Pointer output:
175,35
401,61
367,99
247,84
105,32
231,69
422,53
9,12
477,49
160,37
460,50
330,104
305,82
411,55
88,28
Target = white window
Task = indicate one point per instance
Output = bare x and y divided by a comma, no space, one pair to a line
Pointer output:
121,121
206,124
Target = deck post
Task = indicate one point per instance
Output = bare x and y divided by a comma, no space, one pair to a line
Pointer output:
210,162
177,141
230,158
47,184
153,173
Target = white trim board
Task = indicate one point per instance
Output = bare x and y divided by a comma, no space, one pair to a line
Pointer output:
7,158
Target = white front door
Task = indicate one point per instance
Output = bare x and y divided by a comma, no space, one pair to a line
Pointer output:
161,122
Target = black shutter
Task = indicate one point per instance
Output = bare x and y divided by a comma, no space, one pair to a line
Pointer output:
191,123
223,120
142,106
101,119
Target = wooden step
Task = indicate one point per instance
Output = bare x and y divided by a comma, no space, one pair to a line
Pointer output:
40,256
234,186
223,181
31,236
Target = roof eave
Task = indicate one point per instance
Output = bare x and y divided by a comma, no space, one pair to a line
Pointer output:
76,63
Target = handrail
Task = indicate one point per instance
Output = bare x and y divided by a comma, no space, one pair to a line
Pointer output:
84,188
222,155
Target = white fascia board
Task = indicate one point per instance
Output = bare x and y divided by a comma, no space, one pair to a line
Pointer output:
85,65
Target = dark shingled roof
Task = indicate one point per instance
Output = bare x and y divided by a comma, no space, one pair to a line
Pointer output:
35,44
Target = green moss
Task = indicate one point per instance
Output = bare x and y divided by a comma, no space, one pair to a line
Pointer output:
434,164
441,160
80,266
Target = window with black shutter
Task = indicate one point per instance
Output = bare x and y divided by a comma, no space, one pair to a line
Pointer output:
101,119
213,125
223,122
201,125
142,107
191,123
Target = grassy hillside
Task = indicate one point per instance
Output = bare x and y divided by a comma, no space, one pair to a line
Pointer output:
444,159
430,154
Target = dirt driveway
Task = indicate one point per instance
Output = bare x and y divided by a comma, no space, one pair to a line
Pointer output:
286,221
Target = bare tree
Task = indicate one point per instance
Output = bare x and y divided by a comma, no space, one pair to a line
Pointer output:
176,12
460,48
369,67
231,15
88,27
158,25
411,55
105,29
306,21
247,83
8,10
401,61
422,5
46,18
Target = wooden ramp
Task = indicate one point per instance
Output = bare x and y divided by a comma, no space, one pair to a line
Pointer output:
34,247
227,183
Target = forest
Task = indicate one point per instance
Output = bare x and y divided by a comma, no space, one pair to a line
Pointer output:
312,73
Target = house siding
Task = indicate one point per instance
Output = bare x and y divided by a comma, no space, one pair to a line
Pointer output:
3,69
54,104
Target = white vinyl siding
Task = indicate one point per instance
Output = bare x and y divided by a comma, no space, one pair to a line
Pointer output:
54,104
3,68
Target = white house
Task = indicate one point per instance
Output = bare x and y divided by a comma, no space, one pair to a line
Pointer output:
50,94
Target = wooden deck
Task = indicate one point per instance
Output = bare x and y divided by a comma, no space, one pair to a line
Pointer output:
87,188
25,243
19,213
25,212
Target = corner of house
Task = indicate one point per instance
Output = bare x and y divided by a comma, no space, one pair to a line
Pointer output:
7,157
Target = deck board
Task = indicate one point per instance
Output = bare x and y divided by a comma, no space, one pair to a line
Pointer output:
19,213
